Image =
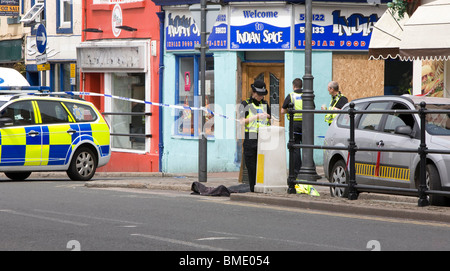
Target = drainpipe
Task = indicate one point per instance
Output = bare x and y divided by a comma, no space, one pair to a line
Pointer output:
161,15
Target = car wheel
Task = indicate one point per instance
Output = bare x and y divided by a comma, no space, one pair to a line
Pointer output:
433,181
339,175
83,165
18,176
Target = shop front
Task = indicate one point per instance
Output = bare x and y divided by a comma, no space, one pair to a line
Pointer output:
257,41
118,62
418,39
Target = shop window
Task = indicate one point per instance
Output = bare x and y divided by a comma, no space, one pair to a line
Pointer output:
128,119
188,94
64,16
397,77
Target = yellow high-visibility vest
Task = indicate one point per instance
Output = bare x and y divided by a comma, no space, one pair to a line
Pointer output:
330,117
296,99
253,126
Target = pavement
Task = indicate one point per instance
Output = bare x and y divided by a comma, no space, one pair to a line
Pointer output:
367,204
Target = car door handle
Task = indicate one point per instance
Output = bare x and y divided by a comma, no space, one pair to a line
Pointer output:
71,131
33,133
380,143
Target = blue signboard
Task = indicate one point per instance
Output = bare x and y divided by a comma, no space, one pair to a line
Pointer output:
281,27
260,28
219,34
183,34
41,38
347,28
9,7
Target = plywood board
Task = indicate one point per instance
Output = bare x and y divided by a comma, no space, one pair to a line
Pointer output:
358,76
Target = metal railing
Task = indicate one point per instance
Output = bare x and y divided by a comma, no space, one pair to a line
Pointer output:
353,188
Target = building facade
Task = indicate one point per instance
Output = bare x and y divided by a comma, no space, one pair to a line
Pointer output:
12,35
56,67
118,57
258,40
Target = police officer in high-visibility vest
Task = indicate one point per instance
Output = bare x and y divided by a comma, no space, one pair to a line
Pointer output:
338,100
254,113
295,97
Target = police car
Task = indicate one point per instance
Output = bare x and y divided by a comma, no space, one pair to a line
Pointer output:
45,133
391,131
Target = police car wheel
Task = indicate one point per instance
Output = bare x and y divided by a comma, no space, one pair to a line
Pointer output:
83,165
339,174
18,176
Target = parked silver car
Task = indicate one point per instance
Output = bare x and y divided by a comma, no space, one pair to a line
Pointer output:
391,131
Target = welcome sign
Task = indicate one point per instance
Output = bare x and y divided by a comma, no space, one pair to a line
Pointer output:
336,28
276,27
260,28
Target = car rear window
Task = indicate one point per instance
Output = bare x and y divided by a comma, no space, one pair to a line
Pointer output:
52,112
81,112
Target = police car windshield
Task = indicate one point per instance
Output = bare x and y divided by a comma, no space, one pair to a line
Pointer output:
439,123
2,103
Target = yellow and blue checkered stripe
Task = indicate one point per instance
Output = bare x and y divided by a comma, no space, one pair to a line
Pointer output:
52,146
17,149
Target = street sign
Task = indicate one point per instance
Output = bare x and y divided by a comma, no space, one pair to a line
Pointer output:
43,67
9,7
41,59
73,70
73,73
41,38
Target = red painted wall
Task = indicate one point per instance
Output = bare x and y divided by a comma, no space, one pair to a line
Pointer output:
142,16
130,162
139,15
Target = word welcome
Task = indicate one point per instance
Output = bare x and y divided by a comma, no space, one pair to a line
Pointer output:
255,14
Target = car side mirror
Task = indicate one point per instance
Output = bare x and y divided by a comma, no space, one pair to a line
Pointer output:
6,122
404,130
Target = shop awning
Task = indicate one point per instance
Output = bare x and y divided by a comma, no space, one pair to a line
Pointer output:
427,33
386,36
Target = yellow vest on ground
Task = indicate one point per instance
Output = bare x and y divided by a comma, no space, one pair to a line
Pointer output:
306,189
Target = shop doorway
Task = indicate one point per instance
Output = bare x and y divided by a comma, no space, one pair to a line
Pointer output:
273,76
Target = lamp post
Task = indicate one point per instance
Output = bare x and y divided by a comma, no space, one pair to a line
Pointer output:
206,15
202,143
308,169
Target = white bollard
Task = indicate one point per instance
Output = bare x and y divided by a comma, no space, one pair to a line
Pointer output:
271,173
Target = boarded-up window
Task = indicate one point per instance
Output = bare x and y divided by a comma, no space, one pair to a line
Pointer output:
357,76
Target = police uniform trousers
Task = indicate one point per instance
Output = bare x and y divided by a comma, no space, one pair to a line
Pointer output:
250,147
298,140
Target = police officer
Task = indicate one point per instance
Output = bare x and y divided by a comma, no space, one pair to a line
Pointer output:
254,113
295,97
338,100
